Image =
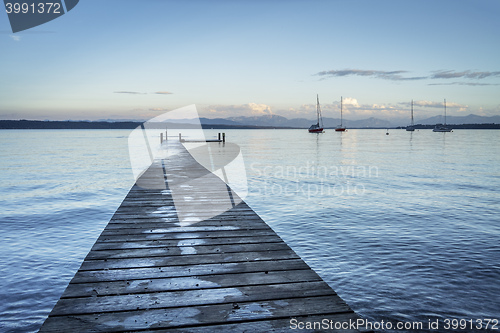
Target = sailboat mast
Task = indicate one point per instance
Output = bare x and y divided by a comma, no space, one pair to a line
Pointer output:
317,107
445,112
411,112
340,111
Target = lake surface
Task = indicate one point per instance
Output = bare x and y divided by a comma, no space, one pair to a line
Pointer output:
403,226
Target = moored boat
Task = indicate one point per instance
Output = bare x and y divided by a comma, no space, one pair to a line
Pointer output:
340,128
442,127
411,128
318,127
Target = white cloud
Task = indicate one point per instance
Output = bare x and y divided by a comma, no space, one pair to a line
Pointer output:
15,37
431,104
246,110
351,108
259,109
350,101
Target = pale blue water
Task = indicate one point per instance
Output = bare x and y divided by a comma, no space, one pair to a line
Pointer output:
403,226
58,191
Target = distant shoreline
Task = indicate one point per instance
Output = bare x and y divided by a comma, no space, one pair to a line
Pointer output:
57,124
69,124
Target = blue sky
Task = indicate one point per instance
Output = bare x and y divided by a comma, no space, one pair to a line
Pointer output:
131,59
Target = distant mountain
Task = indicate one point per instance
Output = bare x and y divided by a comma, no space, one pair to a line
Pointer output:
279,121
265,120
370,122
219,121
470,119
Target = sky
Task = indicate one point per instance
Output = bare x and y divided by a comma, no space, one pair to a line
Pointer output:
135,59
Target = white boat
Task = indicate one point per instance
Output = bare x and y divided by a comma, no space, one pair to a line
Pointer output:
411,128
318,127
340,128
441,127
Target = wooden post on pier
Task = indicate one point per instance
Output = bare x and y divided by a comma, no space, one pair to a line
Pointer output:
161,137
180,137
219,136
223,137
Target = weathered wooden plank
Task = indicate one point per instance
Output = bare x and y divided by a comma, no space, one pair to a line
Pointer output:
174,219
197,315
176,229
183,250
146,209
225,280
221,217
137,224
174,299
187,270
98,246
207,205
187,259
184,235
141,206
305,324
164,201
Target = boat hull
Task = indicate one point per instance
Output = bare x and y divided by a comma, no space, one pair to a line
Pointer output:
342,129
441,130
316,130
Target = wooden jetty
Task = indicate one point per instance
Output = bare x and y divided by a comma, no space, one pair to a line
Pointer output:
148,272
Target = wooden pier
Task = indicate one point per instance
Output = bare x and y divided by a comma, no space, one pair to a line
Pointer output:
149,272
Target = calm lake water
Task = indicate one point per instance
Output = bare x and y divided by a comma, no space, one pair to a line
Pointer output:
403,226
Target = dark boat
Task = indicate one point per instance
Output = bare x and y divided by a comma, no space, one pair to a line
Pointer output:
318,127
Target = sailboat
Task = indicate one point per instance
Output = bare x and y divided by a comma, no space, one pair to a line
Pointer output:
411,128
441,127
340,128
318,127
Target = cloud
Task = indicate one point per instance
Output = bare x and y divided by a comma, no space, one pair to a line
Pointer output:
386,75
465,74
431,104
129,92
352,109
250,109
425,104
142,93
464,84
350,101
259,109
397,75
15,37
356,110
159,109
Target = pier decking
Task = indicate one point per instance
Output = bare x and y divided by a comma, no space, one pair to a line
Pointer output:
151,270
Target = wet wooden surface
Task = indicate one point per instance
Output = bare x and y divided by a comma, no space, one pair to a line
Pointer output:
196,260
